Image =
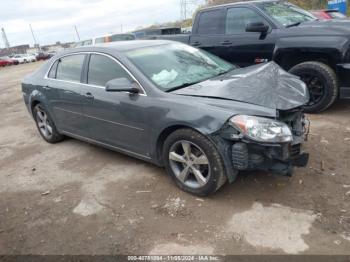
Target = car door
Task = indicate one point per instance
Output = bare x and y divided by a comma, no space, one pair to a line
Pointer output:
210,32
63,91
116,119
247,48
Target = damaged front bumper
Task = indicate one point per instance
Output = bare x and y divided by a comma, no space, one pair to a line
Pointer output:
243,154
278,159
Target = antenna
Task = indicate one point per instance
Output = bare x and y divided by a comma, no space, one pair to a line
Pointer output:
4,38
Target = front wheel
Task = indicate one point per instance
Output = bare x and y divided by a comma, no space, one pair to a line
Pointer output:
322,83
193,162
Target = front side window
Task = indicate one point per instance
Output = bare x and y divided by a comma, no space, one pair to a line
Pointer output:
103,69
69,68
210,22
173,66
238,18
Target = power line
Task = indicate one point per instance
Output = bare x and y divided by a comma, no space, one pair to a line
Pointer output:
76,31
31,30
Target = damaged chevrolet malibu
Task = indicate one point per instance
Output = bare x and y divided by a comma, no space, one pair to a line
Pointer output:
201,118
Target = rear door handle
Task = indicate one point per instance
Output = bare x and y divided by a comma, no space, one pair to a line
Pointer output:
227,42
196,43
89,95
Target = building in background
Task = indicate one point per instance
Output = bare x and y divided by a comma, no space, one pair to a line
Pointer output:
20,49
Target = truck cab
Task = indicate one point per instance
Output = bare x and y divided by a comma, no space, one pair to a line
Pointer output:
254,32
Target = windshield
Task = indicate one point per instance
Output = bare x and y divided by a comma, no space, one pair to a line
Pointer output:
172,66
336,14
286,13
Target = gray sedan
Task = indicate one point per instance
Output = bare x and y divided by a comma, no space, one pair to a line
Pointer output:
200,117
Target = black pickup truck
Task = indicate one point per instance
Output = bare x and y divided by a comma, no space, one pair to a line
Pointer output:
252,32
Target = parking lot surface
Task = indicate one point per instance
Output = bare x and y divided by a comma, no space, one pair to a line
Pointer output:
76,198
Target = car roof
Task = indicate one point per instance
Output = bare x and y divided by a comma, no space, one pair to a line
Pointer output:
122,46
243,2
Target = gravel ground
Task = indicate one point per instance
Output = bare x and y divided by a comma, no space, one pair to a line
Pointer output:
76,198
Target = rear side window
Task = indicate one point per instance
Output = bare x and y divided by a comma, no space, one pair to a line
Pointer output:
103,69
52,73
69,68
210,22
238,18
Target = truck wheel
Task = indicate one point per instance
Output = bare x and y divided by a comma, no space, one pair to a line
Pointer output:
193,162
322,83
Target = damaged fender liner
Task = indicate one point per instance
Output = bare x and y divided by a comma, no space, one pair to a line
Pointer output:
245,155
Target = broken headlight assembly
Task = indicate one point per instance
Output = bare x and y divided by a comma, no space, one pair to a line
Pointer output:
262,129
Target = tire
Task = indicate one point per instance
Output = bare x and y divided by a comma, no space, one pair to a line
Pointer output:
322,83
47,129
202,150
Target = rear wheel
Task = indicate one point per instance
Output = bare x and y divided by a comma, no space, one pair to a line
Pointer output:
322,83
45,125
193,162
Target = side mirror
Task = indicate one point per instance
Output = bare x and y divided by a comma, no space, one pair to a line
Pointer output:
121,85
257,27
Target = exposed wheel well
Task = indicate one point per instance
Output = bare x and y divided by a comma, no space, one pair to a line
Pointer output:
163,136
291,59
34,103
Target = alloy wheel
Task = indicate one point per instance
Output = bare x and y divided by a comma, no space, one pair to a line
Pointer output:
189,164
44,123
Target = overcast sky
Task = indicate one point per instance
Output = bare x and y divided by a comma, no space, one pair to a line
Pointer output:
54,20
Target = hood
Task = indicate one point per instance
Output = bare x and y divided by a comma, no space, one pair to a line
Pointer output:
334,27
265,85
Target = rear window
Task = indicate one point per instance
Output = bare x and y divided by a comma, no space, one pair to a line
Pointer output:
210,22
69,68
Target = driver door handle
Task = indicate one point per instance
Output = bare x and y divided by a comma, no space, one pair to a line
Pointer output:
226,42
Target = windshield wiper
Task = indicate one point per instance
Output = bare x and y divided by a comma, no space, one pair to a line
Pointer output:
180,87
294,24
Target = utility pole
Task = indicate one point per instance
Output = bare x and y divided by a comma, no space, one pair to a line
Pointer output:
76,31
185,5
35,43
4,38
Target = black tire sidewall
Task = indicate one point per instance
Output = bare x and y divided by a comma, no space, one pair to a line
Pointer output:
217,169
326,75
